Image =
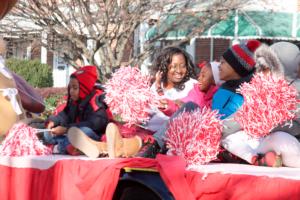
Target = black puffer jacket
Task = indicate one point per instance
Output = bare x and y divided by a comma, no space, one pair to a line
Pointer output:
91,112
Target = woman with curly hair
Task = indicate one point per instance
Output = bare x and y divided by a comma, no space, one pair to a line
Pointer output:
175,73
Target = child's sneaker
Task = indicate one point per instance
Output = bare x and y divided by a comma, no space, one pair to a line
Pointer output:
270,159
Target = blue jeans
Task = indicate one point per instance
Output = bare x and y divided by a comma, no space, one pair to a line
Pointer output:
160,135
62,140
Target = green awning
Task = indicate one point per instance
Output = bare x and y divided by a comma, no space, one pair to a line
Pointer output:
184,25
254,24
238,25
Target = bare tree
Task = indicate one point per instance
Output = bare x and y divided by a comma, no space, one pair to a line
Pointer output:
80,29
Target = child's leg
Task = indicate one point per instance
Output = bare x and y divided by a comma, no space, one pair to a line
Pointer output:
59,143
283,144
244,147
89,132
49,138
238,144
62,144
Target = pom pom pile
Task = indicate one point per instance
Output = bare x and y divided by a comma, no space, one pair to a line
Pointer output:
268,102
128,95
195,136
21,140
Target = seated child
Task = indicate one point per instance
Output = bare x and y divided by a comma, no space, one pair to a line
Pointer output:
84,114
201,93
237,67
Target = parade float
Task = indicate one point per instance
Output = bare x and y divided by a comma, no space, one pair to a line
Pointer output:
165,177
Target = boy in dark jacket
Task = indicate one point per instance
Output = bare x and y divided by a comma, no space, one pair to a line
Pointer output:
237,67
85,112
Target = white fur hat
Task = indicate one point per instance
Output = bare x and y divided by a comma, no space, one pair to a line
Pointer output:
265,57
215,71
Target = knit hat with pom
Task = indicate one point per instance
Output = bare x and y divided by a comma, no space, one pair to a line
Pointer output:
87,77
241,57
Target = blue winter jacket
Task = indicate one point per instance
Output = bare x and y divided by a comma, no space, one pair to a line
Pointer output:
226,99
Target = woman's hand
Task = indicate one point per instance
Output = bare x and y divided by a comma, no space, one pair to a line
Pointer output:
59,130
158,77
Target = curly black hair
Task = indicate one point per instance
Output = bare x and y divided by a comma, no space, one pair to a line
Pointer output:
164,59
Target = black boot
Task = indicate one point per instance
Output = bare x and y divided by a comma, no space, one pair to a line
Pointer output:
150,149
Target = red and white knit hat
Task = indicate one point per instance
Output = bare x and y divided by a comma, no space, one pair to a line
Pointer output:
241,57
87,77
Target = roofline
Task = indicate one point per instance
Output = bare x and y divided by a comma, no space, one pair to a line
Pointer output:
232,37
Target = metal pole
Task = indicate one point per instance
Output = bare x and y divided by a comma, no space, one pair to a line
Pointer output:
236,26
211,49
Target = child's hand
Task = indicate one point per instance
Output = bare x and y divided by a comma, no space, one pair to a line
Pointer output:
178,102
168,107
163,104
59,130
50,125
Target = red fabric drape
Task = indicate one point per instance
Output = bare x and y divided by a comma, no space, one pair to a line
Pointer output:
245,187
67,179
97,179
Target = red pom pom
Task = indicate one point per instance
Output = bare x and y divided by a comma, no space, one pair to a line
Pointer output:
128,95
253,45
195,136
21,140
269,101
